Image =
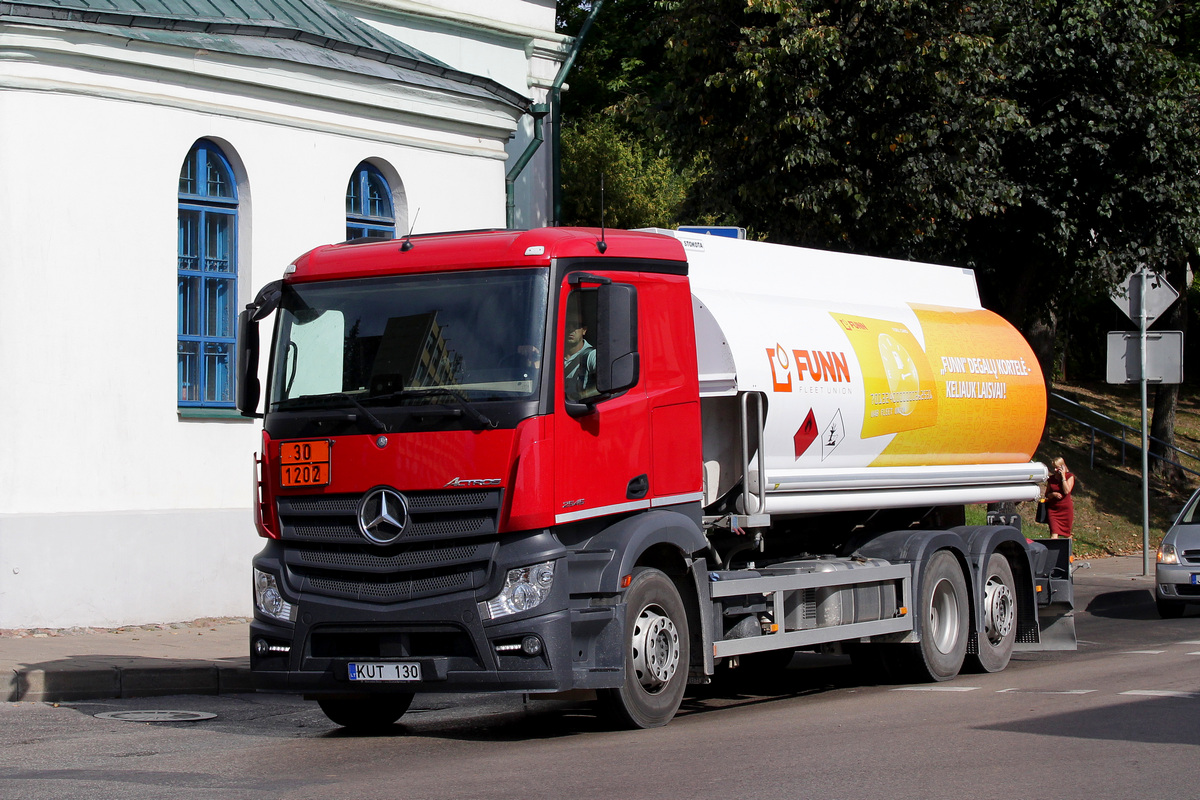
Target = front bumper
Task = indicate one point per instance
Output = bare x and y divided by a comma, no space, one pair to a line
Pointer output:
454,657
1174,582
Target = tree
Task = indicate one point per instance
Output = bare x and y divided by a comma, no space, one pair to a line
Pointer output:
870,126
608,128
641,189
1049,144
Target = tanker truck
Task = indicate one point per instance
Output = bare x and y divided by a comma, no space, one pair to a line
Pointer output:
623,461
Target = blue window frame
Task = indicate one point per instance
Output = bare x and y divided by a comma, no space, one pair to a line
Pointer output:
369,211
208,221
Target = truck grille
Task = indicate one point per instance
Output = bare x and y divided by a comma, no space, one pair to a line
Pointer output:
447,546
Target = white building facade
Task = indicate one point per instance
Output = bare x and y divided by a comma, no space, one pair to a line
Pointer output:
157,168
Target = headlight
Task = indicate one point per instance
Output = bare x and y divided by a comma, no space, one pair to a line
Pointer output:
1167,554
268,598
524,588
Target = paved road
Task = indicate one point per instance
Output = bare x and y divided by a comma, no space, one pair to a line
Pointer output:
1119,718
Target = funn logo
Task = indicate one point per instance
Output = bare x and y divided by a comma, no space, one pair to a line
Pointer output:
807,365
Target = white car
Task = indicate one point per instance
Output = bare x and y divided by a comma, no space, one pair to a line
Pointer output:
1177,574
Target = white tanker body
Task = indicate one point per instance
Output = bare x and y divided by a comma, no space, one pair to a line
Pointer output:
885,382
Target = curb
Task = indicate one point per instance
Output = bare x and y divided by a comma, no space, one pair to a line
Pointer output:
83,679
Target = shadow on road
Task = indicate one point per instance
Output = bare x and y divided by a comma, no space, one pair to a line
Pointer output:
540,720
1129,604
1157,720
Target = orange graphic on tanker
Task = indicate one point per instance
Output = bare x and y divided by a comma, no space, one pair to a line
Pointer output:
989,388
898,381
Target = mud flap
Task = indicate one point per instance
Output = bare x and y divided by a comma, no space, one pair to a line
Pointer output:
1057,623
1055,596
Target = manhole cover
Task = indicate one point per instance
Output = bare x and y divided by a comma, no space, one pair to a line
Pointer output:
156,716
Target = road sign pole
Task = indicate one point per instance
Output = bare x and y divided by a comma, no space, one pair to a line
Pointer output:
1145,428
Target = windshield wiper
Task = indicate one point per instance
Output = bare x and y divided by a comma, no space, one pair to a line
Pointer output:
458,397
326,399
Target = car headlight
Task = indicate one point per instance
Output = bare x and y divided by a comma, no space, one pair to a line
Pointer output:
1167,554
269,600
525,588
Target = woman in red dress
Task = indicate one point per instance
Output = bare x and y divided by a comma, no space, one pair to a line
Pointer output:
1059,505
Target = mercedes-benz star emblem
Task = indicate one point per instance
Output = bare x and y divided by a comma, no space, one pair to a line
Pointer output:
383,515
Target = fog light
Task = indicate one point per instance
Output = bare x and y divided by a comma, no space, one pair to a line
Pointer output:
264,648
531,645
269,600
525,588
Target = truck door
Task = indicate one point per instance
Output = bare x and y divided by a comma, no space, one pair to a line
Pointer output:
602,454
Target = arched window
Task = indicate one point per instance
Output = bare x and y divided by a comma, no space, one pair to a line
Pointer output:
369,205
207,278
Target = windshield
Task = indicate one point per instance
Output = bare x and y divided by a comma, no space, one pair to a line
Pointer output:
440,339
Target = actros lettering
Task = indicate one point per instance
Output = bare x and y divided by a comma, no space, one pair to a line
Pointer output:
473,482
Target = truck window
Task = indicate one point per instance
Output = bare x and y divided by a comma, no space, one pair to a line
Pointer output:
579,354
394,340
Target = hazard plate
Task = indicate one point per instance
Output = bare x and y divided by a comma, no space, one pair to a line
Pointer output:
304,463
386,672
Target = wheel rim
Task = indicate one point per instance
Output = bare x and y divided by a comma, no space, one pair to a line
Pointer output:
1000,609
655,649
943,616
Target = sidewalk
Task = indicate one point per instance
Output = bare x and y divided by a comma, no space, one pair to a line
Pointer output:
207,656
212,656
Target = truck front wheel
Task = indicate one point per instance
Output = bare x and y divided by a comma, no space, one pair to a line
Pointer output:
370,713
656,654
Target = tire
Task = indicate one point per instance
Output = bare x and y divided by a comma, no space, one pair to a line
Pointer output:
657,653
945,624
370,713
999,604
1169,609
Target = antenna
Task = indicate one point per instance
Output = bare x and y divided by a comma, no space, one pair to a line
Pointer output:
601,245
408,245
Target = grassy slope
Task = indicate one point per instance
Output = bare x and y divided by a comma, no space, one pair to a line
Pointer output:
1108,496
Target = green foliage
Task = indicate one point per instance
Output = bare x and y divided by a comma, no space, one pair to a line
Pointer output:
869,126
620,65
642,189
1107,161
1052,145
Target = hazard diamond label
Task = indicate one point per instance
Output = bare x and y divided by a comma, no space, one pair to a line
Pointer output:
806,435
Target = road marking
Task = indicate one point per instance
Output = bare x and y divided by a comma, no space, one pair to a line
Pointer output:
1193,642
936,689
1143,652
1162,693
1044,691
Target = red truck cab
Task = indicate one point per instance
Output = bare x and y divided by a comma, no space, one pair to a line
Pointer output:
451,423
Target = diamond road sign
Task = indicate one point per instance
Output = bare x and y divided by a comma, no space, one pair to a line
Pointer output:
1159,296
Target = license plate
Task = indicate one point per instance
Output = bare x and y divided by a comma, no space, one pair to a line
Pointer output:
1195,579
304,463
387,672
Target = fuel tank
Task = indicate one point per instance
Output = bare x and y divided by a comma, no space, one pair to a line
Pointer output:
883,383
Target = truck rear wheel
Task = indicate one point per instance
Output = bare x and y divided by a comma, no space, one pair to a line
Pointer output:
369,713
999,634
944,622
656,654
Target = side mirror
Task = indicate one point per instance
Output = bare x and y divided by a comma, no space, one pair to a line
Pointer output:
248,388
618,363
